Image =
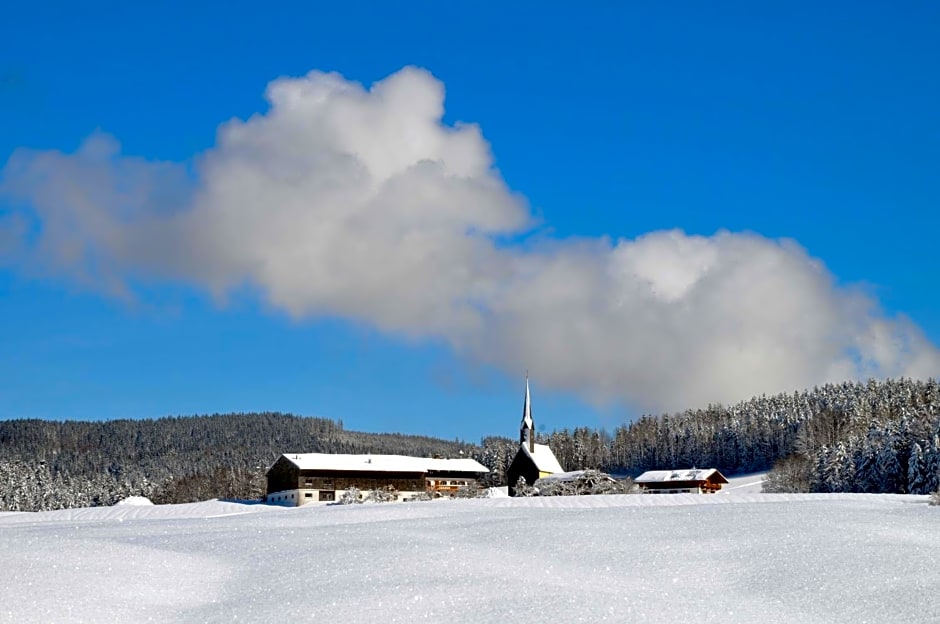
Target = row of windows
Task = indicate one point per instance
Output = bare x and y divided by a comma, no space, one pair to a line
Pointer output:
330,495
314,483
324,496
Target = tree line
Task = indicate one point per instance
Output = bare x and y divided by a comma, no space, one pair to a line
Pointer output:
876,436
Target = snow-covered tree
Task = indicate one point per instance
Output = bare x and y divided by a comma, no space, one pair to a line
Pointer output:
790,474
916,469
935,499
472,491
589,482
352,496
524,489
889,468
384,495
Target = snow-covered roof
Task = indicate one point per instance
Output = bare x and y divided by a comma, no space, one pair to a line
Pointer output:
695,474
573,475
564,476
381,463
543,458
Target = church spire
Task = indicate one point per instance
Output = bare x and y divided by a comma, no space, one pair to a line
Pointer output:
527,428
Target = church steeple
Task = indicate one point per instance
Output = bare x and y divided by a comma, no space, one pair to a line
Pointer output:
532,461
527,428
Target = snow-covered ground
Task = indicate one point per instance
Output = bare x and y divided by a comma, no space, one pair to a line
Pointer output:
736,557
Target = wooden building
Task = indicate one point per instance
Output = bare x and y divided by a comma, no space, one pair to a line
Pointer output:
532,461
298,479
694,481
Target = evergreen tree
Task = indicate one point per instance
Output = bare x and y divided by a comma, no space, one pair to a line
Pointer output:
916,481
889,468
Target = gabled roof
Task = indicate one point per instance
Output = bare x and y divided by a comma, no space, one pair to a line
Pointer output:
695,474
381,463
543,458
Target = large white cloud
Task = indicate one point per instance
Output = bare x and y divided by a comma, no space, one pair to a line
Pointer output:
361,203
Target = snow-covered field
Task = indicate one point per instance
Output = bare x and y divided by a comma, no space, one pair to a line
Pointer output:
733,557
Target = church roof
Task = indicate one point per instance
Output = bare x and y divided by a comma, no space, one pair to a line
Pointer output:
543,458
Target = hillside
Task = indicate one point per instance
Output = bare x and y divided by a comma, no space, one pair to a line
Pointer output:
53,465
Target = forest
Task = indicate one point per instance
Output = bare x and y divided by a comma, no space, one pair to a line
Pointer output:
876,436
62,464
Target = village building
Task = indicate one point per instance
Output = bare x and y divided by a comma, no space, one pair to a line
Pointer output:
299,479
532,461
694,481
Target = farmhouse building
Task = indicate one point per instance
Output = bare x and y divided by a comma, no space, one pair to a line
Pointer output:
298,479
532,461
694,481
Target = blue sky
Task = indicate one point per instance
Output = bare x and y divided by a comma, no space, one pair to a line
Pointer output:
607,127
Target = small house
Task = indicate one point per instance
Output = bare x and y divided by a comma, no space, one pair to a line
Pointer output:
694,481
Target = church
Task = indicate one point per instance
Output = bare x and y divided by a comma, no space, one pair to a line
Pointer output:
532,461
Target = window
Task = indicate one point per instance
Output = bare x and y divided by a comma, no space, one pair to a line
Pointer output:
327,495
308,495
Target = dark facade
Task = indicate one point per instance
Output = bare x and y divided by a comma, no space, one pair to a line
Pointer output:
522,466
285,475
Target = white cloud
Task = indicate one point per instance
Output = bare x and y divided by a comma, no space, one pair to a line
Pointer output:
361,203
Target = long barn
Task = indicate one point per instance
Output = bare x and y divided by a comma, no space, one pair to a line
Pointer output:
298,479
694,481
